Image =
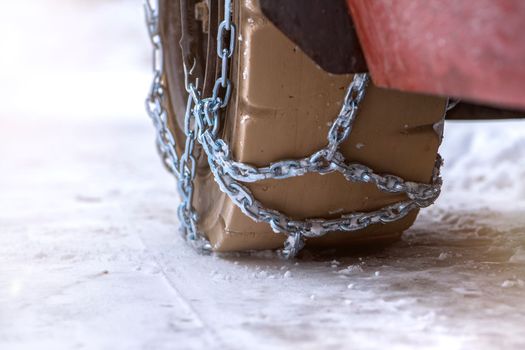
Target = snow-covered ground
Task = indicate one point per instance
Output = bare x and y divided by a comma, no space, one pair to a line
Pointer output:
90,257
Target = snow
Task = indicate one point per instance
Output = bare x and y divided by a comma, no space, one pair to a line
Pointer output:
89,251
350,270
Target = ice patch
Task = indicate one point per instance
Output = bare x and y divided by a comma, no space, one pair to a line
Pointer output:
512,283
518,256
350,270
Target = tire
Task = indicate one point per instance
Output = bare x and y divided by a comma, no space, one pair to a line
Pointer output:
282,107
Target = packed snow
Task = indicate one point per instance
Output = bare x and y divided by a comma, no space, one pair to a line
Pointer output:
90,256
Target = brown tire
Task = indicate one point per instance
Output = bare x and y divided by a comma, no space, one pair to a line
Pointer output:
282,106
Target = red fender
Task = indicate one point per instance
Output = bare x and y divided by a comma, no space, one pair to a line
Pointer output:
473,49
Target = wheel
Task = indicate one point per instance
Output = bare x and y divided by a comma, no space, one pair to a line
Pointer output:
282,107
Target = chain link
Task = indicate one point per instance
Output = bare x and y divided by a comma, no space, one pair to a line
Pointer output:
201,124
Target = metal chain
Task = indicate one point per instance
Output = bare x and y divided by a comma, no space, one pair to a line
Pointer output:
201,124
155,102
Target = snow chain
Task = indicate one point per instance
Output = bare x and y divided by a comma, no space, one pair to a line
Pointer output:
201,124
